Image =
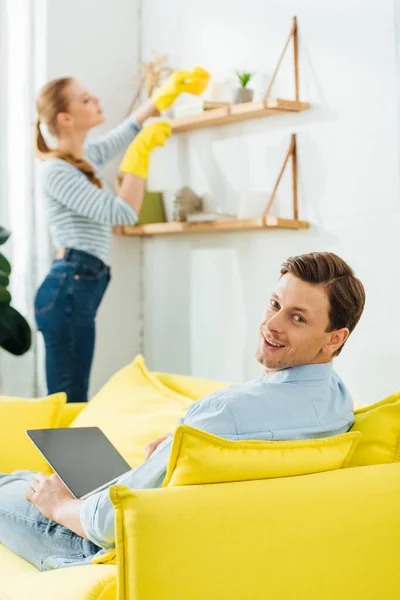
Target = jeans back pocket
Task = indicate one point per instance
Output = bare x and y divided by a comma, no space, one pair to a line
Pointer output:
49,291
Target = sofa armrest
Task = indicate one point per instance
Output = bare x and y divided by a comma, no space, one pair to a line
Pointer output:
69,412
330,535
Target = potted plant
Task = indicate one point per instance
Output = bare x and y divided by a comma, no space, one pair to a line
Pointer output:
243,93
15,333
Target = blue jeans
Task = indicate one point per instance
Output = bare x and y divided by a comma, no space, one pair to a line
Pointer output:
31,535
65,310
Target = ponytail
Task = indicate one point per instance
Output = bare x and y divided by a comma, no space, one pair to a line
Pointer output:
41,147
80,164
44,152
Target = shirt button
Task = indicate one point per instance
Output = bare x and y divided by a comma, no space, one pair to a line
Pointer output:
76,276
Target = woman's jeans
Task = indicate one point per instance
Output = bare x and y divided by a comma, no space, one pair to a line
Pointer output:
65,311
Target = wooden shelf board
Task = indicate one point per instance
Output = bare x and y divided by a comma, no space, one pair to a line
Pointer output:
174,228
236,113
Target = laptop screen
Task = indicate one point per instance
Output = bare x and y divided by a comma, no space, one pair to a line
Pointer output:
83,457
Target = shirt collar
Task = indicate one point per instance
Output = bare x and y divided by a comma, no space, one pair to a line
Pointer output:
302,373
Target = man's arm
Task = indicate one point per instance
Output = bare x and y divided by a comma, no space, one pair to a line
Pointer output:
68,513
97,511
93,518
55,501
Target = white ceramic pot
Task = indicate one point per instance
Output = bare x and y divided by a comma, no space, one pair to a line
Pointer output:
243,95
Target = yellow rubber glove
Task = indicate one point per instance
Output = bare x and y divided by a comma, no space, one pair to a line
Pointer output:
190,82
137,157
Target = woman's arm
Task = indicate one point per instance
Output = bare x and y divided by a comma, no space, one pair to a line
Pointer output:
103,149
132,191
146,111
71,188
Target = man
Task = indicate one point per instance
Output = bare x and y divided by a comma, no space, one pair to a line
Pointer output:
315,306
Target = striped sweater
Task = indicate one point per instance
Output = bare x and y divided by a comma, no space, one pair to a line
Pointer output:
80,214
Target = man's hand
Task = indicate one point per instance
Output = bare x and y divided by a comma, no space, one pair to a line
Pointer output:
47,494
150,448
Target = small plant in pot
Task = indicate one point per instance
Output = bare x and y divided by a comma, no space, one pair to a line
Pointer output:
243,93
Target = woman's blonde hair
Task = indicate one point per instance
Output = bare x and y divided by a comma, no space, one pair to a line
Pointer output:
53,99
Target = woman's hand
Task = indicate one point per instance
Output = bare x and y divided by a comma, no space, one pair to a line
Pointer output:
190,82
137,157
47,494
150,448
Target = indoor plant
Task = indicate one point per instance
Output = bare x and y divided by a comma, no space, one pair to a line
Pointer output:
15,333
243,93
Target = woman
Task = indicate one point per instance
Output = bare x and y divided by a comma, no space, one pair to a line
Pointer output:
81,213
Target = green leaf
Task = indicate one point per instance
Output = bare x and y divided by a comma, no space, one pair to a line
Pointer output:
4,235
244,78
4,279
5,265
5,296
15,333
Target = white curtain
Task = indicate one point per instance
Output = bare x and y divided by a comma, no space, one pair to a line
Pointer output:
20,208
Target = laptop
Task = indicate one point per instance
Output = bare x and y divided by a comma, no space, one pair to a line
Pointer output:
83,457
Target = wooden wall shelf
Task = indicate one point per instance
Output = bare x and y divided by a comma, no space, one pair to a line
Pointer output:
233,114
175,228
265,222
236,113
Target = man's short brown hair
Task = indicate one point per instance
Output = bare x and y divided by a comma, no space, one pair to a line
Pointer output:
345,292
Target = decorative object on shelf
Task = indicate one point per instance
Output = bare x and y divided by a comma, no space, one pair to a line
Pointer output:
243,93
264,222
15,333
185,202
267,107
220,88
152,210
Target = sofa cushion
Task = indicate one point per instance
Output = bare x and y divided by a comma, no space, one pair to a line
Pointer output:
379,425
191,387
132,409
21,581
18,414
198,457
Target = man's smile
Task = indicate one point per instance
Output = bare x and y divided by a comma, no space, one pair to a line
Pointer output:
271,344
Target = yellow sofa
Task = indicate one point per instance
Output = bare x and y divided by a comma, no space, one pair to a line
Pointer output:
332,535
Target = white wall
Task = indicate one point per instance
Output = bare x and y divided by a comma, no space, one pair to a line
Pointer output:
97,42
204,294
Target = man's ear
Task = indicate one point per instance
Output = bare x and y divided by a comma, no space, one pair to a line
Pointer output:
336,339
